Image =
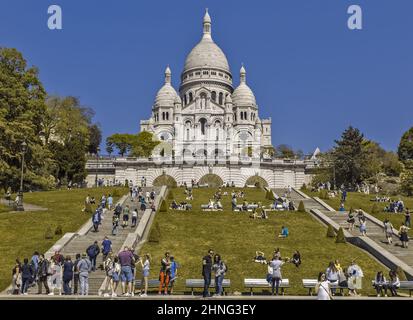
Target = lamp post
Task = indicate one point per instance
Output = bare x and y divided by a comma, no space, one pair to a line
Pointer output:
97,167
20,206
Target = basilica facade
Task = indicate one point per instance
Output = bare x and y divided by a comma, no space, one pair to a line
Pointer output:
208,116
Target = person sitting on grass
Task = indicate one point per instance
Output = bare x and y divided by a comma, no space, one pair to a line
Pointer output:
296,259
174,205
284,232
245,206
260,257
219,205
263,214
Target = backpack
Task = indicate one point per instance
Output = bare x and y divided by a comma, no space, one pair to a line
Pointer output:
91,251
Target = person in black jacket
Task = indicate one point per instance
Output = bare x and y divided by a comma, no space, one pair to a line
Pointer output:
206,271
42,274
27,275
76,274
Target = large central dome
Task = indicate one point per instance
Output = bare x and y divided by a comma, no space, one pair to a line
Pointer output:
206,53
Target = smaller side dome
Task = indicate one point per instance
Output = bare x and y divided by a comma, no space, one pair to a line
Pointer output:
228,99
167,95
178,100
243,95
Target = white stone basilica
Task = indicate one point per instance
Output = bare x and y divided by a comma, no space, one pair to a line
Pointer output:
209,132
208,117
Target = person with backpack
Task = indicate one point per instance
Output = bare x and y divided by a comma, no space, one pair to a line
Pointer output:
34,262
106,248
115,224
76,274
220,269
93,251
67,275
26,275
118,210
84,266
96,219
42,274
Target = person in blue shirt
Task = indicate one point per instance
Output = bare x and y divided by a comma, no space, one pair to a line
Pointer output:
106,248
96,218
110,202
284,232
173,274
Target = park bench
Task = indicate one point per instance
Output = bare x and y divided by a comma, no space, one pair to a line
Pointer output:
199,284
263,283
311,283
206,207
152,283
404,285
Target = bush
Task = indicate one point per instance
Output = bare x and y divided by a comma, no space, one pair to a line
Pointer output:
340,236
126,183
48,234
323,194
155,234
270,195
330,231
375,208
304,187
58,231
301,207
163,207
116,193
170,195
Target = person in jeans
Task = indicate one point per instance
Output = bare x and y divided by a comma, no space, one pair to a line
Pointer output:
394,283
219,268
126,260
164,274
42,274
380,284
206,271
76,274
276,264
84,267
67,275
106,248
332,276
93,251
26,275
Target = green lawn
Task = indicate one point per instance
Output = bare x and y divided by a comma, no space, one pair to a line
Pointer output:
188,236
21,233
357,200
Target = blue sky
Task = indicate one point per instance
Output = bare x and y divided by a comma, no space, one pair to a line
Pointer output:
309,72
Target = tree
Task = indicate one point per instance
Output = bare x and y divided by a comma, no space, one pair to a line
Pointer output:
406,178
285,151
143,144
301,207
121,141
391,164
95,138
109,147
350,157
405,150
22,110
163,207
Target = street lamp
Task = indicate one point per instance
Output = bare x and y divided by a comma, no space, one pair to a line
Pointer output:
97,167
20,206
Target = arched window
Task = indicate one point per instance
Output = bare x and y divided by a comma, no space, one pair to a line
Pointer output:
242,115
214,96
203,125
190,97
217,134
185,101
163,115
167,116
187,134
221,98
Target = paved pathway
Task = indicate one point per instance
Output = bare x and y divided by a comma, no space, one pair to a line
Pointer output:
27,206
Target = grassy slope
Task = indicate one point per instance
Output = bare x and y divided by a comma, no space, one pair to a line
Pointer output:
188,235
22,233
358,200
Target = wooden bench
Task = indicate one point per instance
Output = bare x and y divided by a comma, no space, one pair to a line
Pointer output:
263,283
311,283
199,284
404,285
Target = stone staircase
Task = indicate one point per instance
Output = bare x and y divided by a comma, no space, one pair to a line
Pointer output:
80,243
